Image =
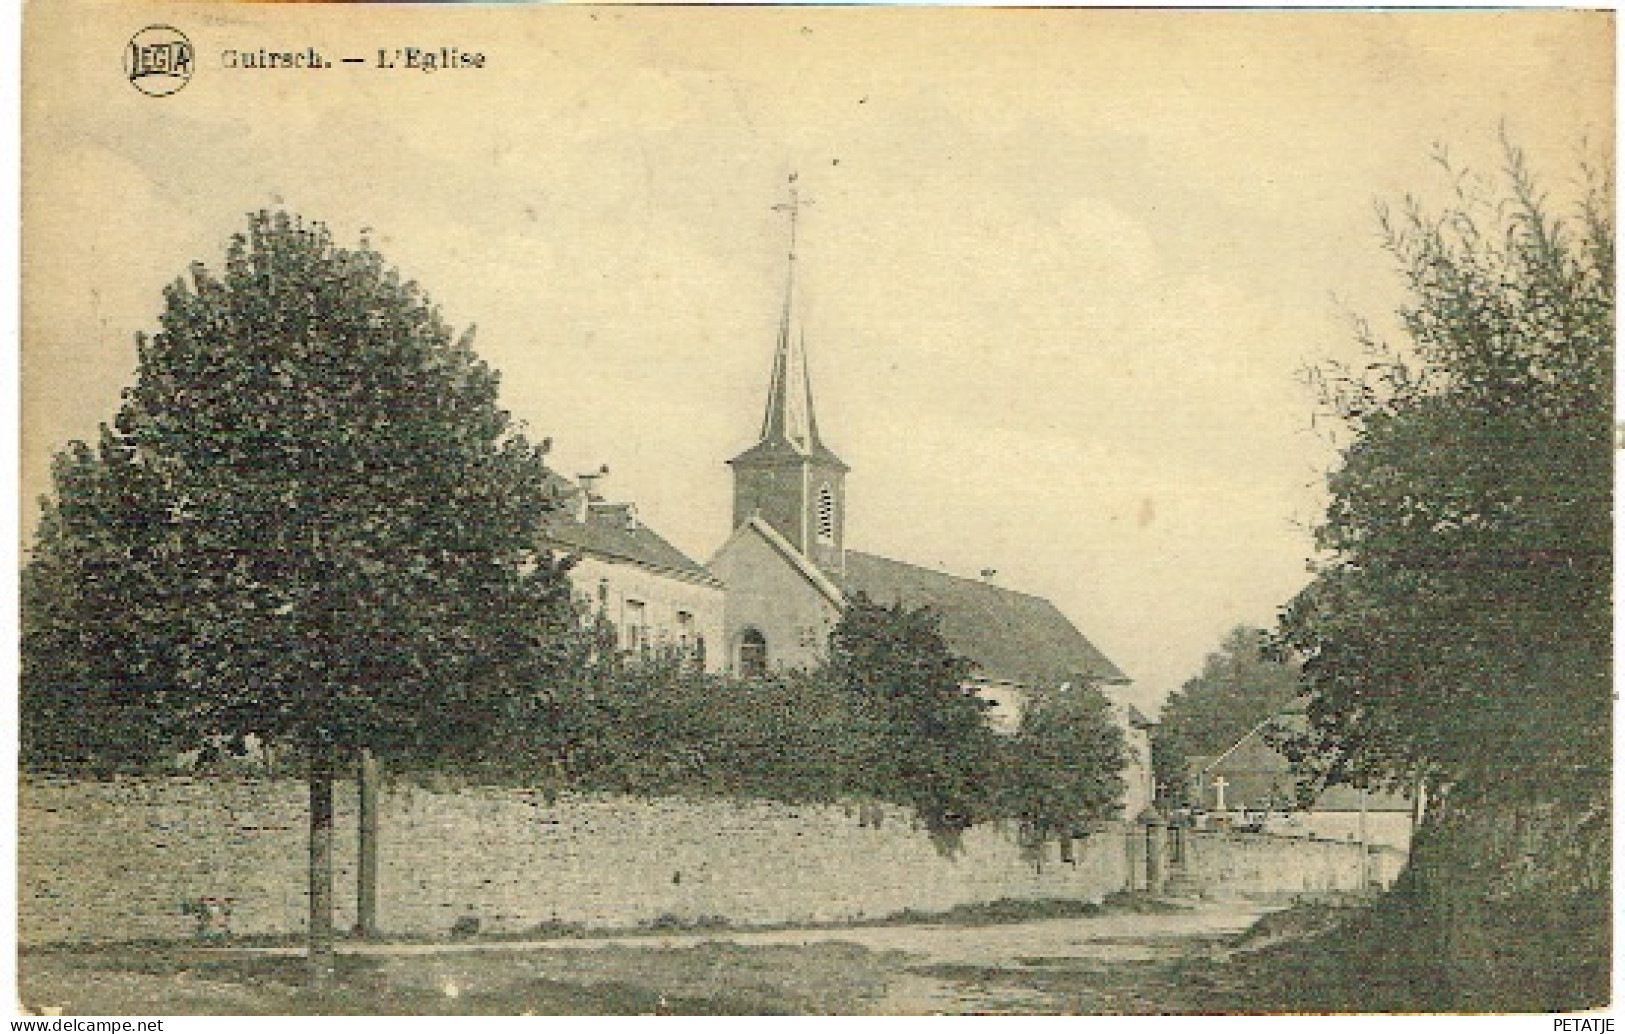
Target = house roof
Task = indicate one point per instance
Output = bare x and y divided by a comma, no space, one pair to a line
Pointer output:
1256,773
1133,715
1011,636
612,531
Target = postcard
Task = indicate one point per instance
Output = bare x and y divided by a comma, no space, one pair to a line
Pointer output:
579,510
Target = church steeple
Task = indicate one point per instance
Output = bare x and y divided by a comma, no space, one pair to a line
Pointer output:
789,477
790,419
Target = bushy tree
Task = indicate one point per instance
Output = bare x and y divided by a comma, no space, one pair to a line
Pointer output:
1063,770
1458,636
1240,685
310,522
1460,628
936,751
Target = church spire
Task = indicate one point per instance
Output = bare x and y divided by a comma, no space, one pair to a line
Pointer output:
789,479
789,419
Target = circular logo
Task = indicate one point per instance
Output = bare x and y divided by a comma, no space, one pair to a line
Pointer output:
159,60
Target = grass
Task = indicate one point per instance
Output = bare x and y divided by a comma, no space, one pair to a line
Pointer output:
1024,910
1351,954
708,979
712,978
993,913
1326,955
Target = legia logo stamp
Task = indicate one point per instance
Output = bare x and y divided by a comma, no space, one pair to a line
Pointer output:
159,60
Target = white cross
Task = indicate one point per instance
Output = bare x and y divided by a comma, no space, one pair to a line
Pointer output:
1219,784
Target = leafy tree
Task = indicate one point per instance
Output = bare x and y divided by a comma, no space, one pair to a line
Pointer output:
936,750
1239,687
1460,629
310,522
1457,638
1064,767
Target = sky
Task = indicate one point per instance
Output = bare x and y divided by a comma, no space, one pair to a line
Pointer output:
1060,280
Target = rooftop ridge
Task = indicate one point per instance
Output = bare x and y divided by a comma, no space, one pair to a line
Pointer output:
955,577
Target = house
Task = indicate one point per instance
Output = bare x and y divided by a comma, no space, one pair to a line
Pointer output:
789,573
1253,783
655,597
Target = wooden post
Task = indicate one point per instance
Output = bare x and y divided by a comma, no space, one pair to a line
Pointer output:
321,863
1365,849
366,889
1417,806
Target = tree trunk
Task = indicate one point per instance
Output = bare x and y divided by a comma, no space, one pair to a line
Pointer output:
321,863
366,896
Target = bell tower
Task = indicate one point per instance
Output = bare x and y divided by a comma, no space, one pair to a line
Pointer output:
789,478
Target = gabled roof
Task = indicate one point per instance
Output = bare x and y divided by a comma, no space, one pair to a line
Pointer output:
1133,715
1011,636
1255,772
611,531
781,545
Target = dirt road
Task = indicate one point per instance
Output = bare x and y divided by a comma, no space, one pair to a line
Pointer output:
1114,963
1033,967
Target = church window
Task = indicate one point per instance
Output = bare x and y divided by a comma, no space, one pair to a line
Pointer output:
826,515
752,653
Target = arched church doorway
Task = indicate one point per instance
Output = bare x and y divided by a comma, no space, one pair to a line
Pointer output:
752,653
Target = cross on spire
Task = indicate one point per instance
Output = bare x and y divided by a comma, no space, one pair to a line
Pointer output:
789,414
793,206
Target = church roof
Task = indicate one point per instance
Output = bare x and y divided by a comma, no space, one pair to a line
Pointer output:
777,450
1011,636
791,555
789,424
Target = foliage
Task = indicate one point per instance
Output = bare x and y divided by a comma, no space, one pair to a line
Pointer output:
1064,767
310,521
1239,687
1461,628
935,750
664,728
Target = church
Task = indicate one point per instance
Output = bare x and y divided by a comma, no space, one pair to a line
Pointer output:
772,593
787,572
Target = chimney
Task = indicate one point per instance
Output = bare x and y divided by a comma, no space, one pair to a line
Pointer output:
625,515
590,491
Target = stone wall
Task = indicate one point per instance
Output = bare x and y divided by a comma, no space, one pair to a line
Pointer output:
1246,863
117,861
